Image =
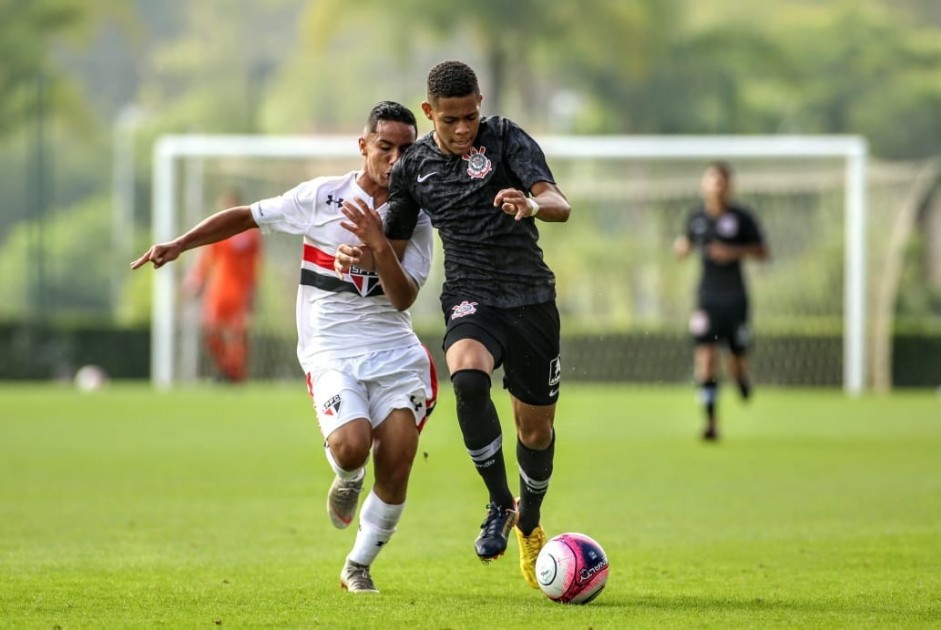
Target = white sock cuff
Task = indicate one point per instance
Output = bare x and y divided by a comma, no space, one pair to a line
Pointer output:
348,475
380,514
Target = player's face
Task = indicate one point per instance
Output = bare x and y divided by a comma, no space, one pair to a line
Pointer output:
383,147
456,120
715,185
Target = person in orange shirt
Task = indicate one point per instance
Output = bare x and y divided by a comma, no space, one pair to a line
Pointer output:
225,276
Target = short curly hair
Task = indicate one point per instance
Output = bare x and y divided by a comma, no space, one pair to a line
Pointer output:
451,79
392,111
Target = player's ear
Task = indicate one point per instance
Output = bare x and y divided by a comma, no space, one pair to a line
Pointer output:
427,109
362,146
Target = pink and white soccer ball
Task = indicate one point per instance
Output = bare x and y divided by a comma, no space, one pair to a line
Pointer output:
572,569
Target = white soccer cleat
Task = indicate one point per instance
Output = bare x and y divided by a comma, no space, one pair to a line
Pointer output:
342,501
355,578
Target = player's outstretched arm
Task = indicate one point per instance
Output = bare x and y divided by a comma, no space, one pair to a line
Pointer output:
547,203
217,227
366,224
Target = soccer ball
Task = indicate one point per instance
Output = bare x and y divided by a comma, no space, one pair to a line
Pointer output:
572,569
90,378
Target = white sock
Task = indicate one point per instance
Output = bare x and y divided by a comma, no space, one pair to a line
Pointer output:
347,475
377,521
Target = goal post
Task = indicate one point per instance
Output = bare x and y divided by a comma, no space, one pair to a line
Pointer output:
172,151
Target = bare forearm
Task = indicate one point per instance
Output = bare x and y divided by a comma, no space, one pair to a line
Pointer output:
217,227
397,285
553,207
758,251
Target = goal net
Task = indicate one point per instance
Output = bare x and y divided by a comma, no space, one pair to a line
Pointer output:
624,299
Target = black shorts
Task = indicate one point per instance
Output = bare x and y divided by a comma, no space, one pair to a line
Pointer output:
523,339
722,323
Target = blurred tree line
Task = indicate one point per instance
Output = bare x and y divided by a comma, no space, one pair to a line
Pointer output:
72,68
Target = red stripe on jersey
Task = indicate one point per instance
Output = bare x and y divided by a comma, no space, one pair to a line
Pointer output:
310,385
318,257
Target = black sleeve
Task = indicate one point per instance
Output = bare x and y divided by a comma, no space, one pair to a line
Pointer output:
524,156
403,209
688,226
751,230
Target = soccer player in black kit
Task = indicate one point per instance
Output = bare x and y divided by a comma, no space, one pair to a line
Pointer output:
724,234
484,182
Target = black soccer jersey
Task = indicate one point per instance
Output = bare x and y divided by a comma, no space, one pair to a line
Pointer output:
735,226
489,257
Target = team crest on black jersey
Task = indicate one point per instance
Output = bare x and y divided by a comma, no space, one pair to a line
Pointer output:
332,406
366,282
727,226
478,164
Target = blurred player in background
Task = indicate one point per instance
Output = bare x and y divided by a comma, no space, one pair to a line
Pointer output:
724,234
484,182
225,276
371,380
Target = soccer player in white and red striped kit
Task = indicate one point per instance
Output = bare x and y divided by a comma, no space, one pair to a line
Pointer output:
371,380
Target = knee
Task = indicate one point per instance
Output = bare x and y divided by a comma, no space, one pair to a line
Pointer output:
349,451
537,437
534,427
704,368
471,386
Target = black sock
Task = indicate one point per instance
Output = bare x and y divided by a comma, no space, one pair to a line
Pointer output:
483,437
535,469
744,387
708,393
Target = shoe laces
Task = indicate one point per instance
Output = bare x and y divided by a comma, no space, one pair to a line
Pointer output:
356,573
495,521
345,490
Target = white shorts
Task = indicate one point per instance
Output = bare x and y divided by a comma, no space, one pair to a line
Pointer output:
372,386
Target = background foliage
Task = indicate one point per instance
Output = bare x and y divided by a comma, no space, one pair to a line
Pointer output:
73,72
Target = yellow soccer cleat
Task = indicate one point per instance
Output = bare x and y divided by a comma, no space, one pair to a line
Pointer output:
530,546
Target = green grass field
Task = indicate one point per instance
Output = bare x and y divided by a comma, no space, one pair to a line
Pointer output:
205,506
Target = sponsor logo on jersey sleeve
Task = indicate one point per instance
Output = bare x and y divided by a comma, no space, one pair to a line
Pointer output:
463,309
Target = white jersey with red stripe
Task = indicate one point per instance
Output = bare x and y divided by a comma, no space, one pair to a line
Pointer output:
349,316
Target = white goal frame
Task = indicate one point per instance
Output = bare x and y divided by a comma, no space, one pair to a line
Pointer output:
852,149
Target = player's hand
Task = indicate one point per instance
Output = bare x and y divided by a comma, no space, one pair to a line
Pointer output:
513,201
681,247
159,255
722,253
349,256
364,222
